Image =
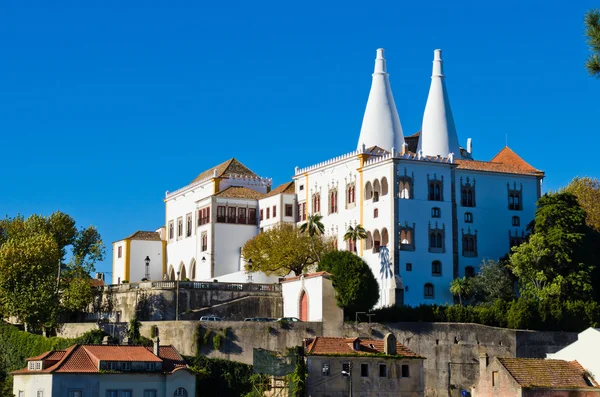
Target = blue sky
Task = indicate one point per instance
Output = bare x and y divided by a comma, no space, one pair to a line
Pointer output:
106,105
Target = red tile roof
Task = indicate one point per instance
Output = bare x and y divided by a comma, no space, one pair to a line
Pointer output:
326,346
533,372
506,161
85,358
229,167
239,192
286,188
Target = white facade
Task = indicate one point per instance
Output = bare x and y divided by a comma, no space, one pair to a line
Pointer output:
129,257
431,212
582,351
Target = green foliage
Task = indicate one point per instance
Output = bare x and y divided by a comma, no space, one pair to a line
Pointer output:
355,286
217,341
35,283
552,264
154,331
493,281
313,225
284,248
297,379
587,191
544,315
221,378
133,333
355,234
592,32
460,287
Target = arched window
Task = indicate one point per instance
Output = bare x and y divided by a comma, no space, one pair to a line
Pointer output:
469,243
405,185
351,195
316,203
303,307
368,191
385,238
467,196
407,237
468,217
404,190
193,270
435,212
375,213
435,188
516,221
333,202
376,241
180,392
436,239
515,198
436,268
369,241
376,190
182,272
384,186
429,291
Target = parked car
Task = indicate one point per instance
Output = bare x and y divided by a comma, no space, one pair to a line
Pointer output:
259,319
210,318
290,319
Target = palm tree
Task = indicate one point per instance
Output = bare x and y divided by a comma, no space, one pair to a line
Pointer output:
313,225
460,287
355,233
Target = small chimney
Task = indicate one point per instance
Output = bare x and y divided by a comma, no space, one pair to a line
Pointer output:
389,344
156,349
106,340
483,363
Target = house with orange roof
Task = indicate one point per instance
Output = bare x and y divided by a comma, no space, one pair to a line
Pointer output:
533,377
106,371
362,367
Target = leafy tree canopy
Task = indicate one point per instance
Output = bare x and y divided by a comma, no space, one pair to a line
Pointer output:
355,286
552,263
587,191
493,281
36,284
284,249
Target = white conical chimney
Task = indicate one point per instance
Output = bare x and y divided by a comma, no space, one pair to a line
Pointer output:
438,133
381,124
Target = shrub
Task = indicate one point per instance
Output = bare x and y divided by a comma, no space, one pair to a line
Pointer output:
217,340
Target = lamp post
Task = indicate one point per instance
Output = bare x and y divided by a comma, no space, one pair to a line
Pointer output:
249,267
349,375
177,299
147,275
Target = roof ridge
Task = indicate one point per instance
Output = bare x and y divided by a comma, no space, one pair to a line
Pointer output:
68,353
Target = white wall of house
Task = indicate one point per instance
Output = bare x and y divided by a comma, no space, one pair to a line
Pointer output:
30,385
118,268
582,351
140,249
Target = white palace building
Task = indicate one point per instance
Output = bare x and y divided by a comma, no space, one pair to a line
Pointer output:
432,211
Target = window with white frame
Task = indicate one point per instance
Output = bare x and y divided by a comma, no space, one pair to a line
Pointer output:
188,222
179,228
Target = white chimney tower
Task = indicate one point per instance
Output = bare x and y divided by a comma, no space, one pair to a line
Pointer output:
438,133
381,124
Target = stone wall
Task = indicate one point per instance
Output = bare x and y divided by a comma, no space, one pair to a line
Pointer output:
158,301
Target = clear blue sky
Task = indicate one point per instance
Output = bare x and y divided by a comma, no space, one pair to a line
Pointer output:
106,105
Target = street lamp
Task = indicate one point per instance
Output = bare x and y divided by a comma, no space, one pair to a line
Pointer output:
177,299
249,267
147,276
348,373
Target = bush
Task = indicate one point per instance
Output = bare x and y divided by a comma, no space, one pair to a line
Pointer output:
217,340
221,378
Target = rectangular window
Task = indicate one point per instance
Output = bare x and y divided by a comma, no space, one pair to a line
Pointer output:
345,369
204,216
494,378
409,267
204,241
119,251
150,366
242,216
38,365
74,393
405,371
171,230
252,216
112,393
188,224
149,393
364,370
231,211
326,369
179,227
382,371
268,213
289,210
221,211
274,211
261,214
126,366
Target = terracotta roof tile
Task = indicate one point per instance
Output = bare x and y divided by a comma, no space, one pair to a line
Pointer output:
85,358
239,192
286,188
229,167
506,161
322,346
532,372
146,236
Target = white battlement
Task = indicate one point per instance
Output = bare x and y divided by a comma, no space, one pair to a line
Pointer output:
334,160
235,178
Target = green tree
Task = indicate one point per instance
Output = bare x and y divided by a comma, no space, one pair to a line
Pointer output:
356,289
460,287
552,262
70,288
587,191
284,249
313,225
493,281
355,234
592,31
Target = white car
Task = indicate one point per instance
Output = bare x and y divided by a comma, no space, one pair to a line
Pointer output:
210,318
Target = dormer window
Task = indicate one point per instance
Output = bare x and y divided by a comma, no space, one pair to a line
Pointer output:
35,366
357,345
